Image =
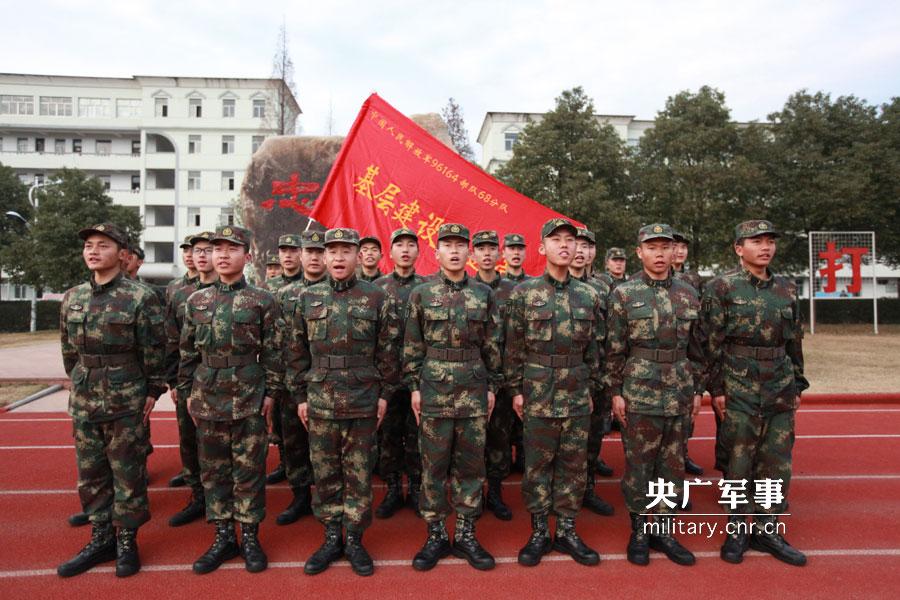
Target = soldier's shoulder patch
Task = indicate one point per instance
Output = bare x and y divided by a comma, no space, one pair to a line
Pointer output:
76,307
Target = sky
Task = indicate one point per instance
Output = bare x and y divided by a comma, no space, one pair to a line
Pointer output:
514,56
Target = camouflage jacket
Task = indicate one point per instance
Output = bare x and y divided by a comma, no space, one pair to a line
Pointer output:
742,310
230,323
343,350
399,288
691,277
458,318
558,321
609,280
278,282
648,315
370,278
113,348
174,315
516,278
502,291
180,282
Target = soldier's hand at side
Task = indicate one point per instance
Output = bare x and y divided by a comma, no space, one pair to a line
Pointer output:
518,403
416,404
148,408
268,408
718,403
303,413
190,412
798,400
492,401
618,408
696,409
173,394
382,409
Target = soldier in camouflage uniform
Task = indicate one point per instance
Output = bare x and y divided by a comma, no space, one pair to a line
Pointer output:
231,359
295,444
602,410
514,255
498,446
654,375
342,364
187,258
369,257
187,430
615,263
399,431
273,267
452,362
552,362
113,341
752,317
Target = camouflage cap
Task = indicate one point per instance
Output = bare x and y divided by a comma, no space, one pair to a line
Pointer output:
586,234
448,230
342,235
615,252
370,239
654,231
110,230
681,237
290,240
749,229
138,251
312,239
513,239
233,234
187,242
554,224
272,259
403,232
203,236
487,236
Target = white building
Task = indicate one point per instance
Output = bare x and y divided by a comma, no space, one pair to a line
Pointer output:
173,148
500,131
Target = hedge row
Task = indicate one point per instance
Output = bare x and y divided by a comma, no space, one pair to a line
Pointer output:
15,315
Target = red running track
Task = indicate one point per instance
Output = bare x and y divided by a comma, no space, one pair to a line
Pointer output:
843,504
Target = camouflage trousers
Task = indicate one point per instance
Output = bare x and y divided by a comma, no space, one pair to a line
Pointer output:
760,448
452,452
654,448
295,446
721,450
498,445
600,424
341,450
112,470
187,447
400,439
233,468
275,437
555,464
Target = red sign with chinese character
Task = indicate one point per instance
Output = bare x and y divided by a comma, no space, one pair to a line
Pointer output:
832,257
391,173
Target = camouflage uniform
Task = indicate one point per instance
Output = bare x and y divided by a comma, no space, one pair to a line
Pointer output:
606,277
113,343
451,355
342,356
231,360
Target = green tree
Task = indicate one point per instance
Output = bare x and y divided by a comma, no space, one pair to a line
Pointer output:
13,198
456,128
48,254
571,163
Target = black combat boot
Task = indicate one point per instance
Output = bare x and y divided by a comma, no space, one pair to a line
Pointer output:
356,554
766,539
639,542
330,550
178,481
568,542
128,562
603,469
393,500
466,546
196,508
79,519
276,476
668,545
436,547
414,485
692,467
539,543
255,559
224,547
737,541
101,549
494,500
595,503
300,505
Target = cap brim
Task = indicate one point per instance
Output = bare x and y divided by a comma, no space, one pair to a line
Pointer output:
571,228
772,232
458,236
660,236
84,234
348,242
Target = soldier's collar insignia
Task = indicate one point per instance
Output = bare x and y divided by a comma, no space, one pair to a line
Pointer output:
539,303
76,307
227,231
637,304
100,227
316,303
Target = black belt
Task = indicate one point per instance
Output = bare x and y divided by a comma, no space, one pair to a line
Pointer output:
96,361
330,361
556,361
757,352
453,354
658,355
224,362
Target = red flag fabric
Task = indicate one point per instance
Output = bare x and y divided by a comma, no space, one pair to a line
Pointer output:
391,173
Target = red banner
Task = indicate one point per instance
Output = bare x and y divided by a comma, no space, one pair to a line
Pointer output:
391,173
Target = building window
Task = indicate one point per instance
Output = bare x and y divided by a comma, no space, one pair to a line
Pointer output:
226,217
193,144
96,108
259,108
227,144
21,144
59,146
135,183
128,107
20,292
193,180
228,107
16,105
135,147
105,180
193,217
76,146
56,106
38,178
161,107
510,140
227,181
39,145
195,108
257,142
104,147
